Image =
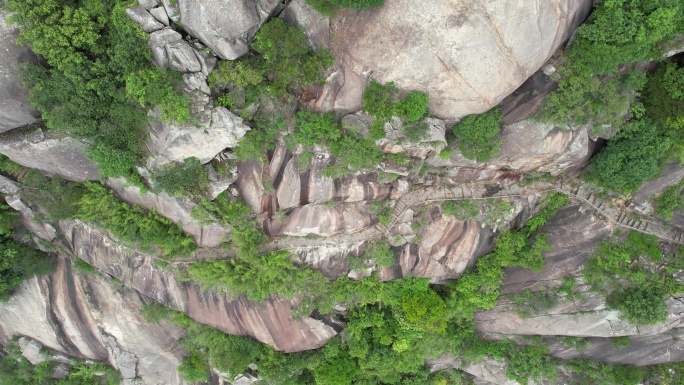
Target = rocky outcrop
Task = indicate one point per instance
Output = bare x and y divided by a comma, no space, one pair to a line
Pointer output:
270,322
530,145
218,129
454,51
14,109
574,234
177,209
88,316
292,187
225,26
395,141
64,157
27,217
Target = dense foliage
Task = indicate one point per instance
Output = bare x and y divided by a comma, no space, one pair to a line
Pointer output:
17,261
477,135
619,32
633,156
17,370
188,178
133,224
328,7
99,74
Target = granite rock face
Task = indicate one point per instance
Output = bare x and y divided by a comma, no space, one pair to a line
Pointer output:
86,315
170,142
64,157
293,187
14,109
270,322
225,26
467,55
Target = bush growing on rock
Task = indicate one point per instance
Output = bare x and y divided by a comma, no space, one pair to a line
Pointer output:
328,7
187,178
477,135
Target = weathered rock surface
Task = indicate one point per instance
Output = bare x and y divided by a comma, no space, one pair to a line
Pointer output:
158,42
529,146
467,55
325,220
64,157
177,209
225,26
182,57
170,143
86,316
140,15
294,188
534,146
27,217
642,350
315,25
270,322
14,109
674,172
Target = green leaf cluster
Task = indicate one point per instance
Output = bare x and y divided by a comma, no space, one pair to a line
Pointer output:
669,200
17,261
382,102
633,156
477,135
17,370
188,178
328,7
132,224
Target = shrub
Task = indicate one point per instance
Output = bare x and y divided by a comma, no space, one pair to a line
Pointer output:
315,128
381,102
92,47
17,261
631,157
187,178
261,138
416,131
477,135
380,252
664,103
415,106
621,342
530,303
155,87
669,200
327,7
462,210
288,60
640,306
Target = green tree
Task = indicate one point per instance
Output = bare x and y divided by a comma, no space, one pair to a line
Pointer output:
631,157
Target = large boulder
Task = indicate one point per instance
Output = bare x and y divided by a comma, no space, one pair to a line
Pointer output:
225,25
218,130
64,157
466,55
14,110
